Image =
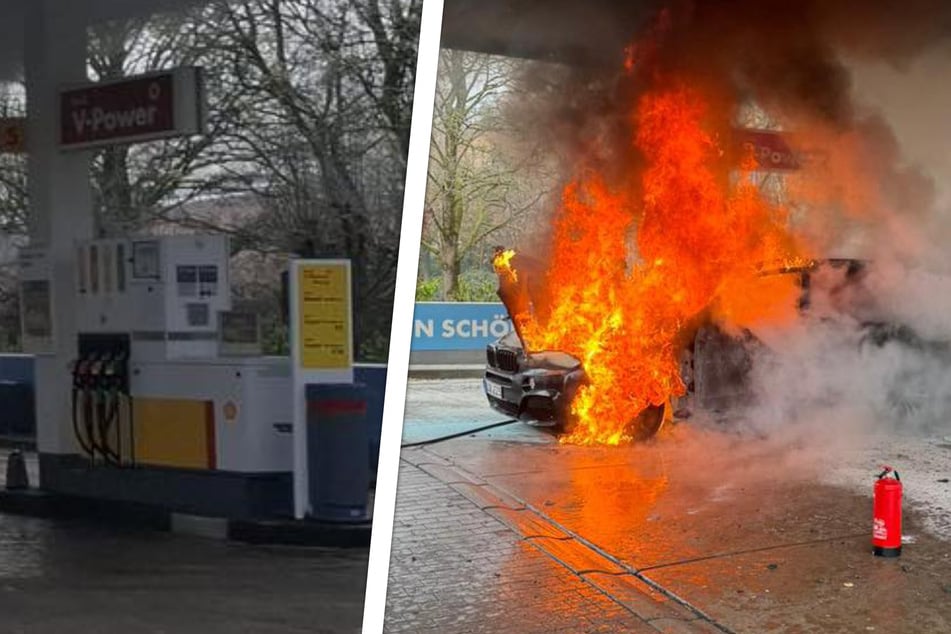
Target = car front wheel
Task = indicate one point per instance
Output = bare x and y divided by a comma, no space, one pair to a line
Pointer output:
646,424
642,427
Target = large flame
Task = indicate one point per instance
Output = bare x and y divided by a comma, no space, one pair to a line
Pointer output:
635,267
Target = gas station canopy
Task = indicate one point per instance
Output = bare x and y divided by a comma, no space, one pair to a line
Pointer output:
13,24
593,32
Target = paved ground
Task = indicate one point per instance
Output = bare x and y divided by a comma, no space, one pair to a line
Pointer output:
72,577
508,531
461,569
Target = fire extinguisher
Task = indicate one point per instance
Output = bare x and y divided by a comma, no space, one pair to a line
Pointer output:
886,514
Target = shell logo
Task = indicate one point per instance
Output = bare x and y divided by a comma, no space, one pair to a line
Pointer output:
230,411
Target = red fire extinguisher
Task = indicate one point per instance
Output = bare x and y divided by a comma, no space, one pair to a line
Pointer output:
886,514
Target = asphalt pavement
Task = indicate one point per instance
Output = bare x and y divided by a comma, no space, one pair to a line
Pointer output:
703,529
88,577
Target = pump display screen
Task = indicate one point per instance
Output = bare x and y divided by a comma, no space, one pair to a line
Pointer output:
93,269
187,279
106,269
145,260
207,280
197,314
120,268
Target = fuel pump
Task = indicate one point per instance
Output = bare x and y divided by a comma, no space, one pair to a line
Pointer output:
167,378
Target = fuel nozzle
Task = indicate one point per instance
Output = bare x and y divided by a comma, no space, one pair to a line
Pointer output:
118,369
96,365
81,372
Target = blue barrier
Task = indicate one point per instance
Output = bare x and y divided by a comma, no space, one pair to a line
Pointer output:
16,367
17,409
458,325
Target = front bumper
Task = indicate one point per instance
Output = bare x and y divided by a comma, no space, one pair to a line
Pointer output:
535,396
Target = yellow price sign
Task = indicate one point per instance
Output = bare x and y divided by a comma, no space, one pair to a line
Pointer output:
323,301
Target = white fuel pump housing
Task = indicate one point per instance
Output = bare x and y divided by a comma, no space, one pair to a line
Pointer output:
165,291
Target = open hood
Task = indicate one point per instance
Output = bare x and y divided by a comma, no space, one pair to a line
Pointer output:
520,289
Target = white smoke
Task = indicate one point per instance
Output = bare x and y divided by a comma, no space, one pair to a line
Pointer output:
835,377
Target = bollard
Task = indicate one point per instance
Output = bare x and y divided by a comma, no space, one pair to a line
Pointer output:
17,477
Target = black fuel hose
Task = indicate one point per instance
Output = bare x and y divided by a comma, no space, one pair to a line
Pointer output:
107,415
432,441
97,425
117,420
131,411
89,422
85,446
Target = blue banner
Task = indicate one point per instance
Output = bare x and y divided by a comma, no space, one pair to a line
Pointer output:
458,325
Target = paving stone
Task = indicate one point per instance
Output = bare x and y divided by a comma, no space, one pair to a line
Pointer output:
487,497
684,626
639,597
527,524
456,568
577,556
450,474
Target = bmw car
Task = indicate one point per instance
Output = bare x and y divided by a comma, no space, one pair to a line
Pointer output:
538,387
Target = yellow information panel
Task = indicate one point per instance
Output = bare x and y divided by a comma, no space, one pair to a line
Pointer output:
323,304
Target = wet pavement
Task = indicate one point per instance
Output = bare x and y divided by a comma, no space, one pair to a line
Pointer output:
456,568
700,530
58,576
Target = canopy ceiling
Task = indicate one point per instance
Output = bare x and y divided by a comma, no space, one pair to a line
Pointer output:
591,32
13,21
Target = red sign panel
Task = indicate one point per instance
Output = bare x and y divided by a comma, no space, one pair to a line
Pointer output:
768,149
13,135
135,109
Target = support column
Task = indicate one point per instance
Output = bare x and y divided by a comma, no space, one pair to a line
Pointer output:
60,203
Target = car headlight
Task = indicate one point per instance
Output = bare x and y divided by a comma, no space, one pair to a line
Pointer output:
544,381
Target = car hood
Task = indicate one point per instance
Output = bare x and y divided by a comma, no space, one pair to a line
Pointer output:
519,289
541,359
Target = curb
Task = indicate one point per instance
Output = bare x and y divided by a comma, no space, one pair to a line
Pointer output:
23,443
460,371
36,503
300,533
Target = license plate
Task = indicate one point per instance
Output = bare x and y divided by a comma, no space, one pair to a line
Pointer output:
493,389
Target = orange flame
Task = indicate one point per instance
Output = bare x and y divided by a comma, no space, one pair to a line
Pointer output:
503,265
635,267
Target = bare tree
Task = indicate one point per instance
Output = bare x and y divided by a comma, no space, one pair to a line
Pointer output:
134,185
13,190
13,218
322,128
474,188
309,110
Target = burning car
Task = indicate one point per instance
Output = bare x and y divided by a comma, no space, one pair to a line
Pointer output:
539,386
